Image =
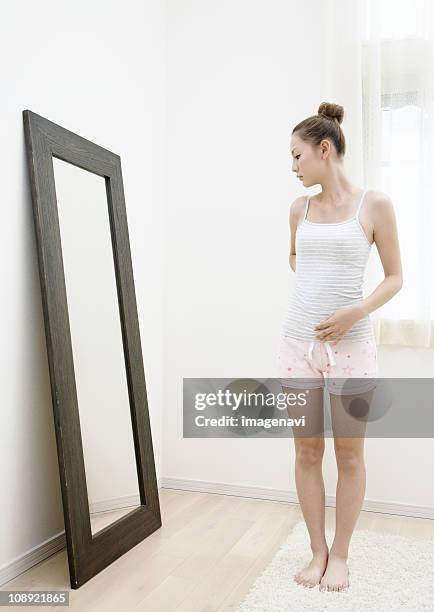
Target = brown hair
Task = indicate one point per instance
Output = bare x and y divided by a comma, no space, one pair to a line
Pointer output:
326,124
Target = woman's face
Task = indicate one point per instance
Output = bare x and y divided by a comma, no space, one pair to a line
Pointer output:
305,161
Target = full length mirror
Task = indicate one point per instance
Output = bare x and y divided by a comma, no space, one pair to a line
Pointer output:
98,388
96,336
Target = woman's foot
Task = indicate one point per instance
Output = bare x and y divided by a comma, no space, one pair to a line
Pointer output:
336,575
312,573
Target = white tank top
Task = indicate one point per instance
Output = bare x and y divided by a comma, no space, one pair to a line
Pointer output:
330,264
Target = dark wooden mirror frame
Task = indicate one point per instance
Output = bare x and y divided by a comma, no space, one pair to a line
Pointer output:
88,555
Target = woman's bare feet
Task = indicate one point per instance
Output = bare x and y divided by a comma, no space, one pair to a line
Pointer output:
336,575
312,573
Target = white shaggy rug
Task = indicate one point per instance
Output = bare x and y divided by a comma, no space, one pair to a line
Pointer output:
387,573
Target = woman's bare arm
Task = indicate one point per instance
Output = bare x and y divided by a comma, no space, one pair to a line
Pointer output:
297,207
386,240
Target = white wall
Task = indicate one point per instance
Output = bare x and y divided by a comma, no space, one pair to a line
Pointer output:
240,76
97,70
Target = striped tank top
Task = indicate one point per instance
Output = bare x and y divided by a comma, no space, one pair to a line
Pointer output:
330,264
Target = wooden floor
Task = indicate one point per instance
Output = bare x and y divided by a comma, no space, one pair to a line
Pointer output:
205,557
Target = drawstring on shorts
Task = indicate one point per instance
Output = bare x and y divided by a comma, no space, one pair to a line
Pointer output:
329,353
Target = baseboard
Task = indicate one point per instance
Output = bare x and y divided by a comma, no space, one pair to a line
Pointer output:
34,556
108,505
282,495
53,545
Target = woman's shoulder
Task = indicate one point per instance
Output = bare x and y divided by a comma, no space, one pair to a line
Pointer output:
297,207
378,212
379,198
378,203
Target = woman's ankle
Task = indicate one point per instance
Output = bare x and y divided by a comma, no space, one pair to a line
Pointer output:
321,549
338,554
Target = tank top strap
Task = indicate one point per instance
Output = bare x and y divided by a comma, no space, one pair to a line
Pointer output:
305,209
360,205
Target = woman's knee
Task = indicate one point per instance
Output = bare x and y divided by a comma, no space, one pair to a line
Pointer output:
309,451
349,454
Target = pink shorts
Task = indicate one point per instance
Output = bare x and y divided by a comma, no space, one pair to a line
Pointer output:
348,365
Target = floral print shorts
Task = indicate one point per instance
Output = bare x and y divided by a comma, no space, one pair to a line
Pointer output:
349,366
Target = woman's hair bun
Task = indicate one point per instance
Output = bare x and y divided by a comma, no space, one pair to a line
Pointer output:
331,111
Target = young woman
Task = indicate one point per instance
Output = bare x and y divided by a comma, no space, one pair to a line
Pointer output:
327,332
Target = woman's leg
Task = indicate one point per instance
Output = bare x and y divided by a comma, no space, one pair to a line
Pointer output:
349,439
309,451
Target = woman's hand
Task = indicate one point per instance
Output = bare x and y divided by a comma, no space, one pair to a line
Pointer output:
338,323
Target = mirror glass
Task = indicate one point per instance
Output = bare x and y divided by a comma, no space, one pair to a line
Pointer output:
96,336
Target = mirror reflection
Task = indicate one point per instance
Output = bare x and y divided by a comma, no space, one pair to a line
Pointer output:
96,336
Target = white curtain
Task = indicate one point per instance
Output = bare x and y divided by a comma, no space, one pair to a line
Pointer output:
378,61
